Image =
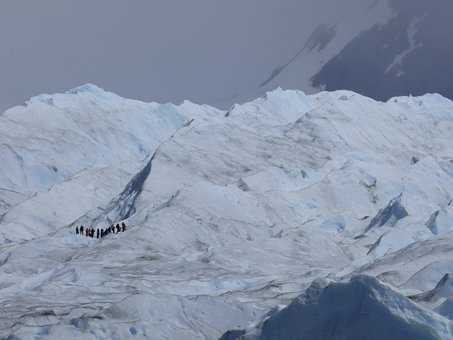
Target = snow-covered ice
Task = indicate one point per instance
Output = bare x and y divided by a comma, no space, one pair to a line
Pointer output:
230,213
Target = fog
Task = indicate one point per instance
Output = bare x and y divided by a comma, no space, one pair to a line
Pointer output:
162,50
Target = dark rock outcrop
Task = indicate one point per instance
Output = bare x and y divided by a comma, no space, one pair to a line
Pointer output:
391,60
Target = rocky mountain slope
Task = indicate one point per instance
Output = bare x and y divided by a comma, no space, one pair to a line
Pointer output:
382,49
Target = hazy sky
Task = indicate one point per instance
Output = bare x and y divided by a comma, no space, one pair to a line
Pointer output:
164,50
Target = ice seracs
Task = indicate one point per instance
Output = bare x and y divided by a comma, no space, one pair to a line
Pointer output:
231,214
56,147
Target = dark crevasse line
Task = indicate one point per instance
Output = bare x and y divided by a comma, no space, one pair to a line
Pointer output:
123,206
390,215
375,245
436,292
362,308
431,224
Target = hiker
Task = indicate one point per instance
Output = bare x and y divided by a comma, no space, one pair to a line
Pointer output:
81,230
124,226
118,229
77,230
97,233
102,233
92,232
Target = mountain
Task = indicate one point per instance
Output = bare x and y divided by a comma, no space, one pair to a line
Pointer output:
384,49
230,215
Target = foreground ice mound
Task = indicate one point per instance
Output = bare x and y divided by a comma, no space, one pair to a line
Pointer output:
362,308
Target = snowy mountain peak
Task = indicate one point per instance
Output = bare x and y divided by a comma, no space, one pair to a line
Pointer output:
87,92
87,88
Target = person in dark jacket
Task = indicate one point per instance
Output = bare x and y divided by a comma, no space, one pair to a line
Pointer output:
123,225
87,232
77,230
97,233
81,230
118,229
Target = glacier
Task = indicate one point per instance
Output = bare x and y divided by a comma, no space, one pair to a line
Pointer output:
231,214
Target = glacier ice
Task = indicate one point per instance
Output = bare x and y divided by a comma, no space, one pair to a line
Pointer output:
362,308
231,214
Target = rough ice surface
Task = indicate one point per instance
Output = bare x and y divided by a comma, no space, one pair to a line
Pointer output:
231,215
362,308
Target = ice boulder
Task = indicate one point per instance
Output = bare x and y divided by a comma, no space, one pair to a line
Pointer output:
362,308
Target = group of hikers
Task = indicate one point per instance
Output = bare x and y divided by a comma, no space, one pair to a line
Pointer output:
100,233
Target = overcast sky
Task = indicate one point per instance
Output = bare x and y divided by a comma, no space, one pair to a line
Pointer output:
163,50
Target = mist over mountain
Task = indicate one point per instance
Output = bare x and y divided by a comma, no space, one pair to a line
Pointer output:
169,51
411,54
